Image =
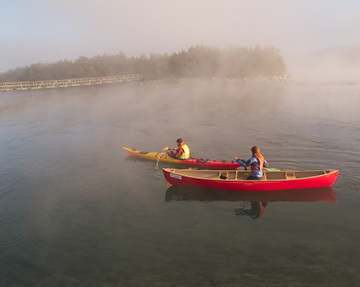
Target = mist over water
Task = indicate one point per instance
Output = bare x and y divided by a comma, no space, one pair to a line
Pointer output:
75,210
336,65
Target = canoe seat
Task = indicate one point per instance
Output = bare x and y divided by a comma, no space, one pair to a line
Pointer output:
290,175
224,175
228,175
221,175
275,175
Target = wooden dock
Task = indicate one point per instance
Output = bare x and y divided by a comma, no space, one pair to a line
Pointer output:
9,86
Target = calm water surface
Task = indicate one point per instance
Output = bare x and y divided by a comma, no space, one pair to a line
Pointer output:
75,210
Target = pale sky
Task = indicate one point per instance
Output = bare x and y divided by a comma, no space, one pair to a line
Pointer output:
47,31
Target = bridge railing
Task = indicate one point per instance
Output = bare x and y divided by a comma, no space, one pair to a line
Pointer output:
8,86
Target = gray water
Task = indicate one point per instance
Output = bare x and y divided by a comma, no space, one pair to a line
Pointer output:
76,210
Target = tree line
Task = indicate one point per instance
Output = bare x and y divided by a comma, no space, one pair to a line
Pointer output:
197,61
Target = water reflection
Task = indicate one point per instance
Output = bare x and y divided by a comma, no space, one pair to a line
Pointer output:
253,202
255,211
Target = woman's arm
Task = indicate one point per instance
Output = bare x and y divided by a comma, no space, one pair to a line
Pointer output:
239,161
266,164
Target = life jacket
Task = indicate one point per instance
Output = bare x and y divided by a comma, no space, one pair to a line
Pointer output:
259,166
186,152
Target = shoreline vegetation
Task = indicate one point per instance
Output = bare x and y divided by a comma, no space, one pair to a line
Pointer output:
237,64
214,80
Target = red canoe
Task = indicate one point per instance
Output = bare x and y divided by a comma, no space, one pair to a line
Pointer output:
236,179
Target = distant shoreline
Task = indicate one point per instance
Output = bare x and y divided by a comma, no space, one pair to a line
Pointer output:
284,78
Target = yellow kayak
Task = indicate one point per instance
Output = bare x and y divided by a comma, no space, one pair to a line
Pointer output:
164,157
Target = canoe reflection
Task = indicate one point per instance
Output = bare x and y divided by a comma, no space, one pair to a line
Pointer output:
258,199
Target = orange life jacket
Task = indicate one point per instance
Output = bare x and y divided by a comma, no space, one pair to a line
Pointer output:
259,166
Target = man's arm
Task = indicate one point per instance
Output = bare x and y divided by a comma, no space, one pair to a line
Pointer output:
178,152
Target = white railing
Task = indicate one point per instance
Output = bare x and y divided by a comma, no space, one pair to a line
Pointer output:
8,86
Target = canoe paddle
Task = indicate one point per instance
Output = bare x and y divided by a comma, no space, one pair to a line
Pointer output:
162,152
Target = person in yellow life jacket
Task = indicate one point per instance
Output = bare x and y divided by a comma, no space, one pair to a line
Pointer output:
181,152
256,162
